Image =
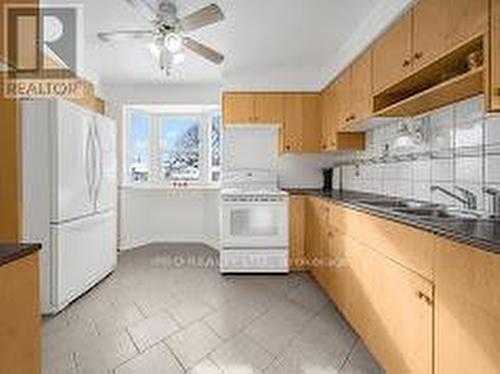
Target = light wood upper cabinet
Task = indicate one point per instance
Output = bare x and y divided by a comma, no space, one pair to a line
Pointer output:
467,333
343,86
441,25
302,123
269,108
361,88
238,108
330,113
392,54
298,114
292,131
495,56
311,123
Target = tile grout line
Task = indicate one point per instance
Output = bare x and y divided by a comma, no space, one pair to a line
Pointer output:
348,356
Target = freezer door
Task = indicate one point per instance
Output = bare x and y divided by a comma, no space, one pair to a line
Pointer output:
75,157
85,252
106,179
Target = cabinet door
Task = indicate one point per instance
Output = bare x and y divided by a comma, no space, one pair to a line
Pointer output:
391,308
311,123
495,56
361,88
467,332
392,54
20,317
297,208
329,118
342,94
441,25
293,123
269,108
238,108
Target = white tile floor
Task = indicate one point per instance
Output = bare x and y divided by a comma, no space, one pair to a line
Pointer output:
167,310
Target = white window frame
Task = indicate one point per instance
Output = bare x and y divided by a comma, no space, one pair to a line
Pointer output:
205,177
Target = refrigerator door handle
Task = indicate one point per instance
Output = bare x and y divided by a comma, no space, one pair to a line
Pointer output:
89,175
99,163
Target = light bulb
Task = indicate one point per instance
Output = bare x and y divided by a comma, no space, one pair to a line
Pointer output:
173,42
178,58
155,50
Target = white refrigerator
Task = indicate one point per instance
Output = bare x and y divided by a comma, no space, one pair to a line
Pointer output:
69,197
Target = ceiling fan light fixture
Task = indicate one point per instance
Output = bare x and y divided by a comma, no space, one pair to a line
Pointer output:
178,58
155,50
173,42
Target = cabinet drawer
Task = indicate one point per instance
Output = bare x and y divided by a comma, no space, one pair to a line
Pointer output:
412,248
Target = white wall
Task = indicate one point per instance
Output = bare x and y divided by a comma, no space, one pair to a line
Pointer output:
303,171
161,215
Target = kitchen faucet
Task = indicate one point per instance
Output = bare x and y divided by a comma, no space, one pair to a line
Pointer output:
495,193
469,199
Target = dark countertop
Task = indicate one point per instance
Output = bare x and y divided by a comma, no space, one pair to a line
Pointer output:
13,252
481,233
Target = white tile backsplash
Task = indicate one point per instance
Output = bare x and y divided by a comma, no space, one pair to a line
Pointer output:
458,145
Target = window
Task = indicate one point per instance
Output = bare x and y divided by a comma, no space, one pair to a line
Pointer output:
172,144
215,147
180,147
138,156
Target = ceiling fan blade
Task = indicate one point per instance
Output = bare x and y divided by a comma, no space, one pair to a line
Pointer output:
118,36
203,17
145,8
203,50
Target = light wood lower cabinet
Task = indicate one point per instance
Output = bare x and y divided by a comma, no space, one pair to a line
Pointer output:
297,227
467,327
389,306
422,304
20,323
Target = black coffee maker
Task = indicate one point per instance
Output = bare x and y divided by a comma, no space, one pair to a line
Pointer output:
327,179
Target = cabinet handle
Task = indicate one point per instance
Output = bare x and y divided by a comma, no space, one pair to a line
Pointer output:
422,296
406,63
287,147
419,55
497,92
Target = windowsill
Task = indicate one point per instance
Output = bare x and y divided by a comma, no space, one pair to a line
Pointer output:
169,187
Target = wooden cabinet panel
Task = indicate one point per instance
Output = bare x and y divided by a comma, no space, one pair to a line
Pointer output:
317,237
269,108
495,56
238,108
467,333
20,317
330,112
392,54
343,97
410,247
361,88
311,123
441,25
393,309
292,131
297,231
388,305
10,173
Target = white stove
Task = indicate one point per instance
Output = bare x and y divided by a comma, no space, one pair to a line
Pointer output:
254,223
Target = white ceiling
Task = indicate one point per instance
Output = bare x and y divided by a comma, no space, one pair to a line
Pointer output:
260,38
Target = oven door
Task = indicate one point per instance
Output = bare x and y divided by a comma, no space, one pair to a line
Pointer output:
255,224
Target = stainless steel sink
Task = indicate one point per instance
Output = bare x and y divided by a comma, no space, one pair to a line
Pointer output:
439,213
395,204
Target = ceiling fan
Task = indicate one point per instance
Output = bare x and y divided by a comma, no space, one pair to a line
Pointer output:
168,33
